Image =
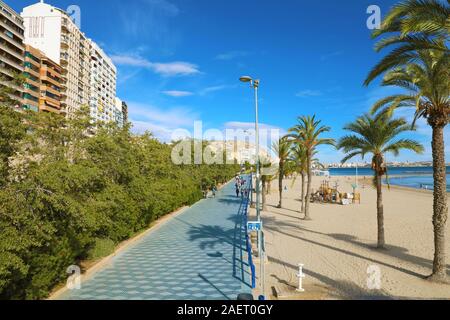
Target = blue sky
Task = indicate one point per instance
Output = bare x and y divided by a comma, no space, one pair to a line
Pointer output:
180,60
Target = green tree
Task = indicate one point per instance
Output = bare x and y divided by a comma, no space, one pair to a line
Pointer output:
12,129
377,135
307,133
75,186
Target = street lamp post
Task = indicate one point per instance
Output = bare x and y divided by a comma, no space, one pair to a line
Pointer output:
255,85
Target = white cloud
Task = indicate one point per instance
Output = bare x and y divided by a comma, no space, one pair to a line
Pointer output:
160,132
164,6
175,68
146,17
308,93
207,90
251,126
231,55
160,122
202,92
169,69
169,117
131,61
178,94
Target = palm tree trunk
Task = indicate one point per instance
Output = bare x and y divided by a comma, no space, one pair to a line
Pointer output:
380,212
308,188
264,188
440,209
280,185
303,192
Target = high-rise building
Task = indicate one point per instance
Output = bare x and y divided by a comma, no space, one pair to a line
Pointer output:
125,111
32,72
53,32
43,82
102,96
118,112
11,48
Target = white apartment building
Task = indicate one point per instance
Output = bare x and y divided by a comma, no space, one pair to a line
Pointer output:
11,48
102,96
53,32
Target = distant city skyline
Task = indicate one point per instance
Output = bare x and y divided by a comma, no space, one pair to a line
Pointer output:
179,61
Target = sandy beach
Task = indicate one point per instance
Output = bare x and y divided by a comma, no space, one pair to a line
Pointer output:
338,246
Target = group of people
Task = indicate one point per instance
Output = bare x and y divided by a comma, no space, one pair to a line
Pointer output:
213,192
241,187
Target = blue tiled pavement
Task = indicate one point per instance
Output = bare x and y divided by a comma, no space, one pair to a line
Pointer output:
198,255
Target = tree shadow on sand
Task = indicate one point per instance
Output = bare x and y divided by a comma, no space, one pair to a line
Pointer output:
298,217
277,227
392,251
337,288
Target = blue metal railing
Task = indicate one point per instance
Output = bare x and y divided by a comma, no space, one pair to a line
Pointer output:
247,237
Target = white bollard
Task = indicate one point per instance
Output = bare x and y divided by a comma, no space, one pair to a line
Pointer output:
300,277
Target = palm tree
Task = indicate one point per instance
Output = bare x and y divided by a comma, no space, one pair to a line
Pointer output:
377,135
412,25
266,178
298,157
421,67
282,148
307,133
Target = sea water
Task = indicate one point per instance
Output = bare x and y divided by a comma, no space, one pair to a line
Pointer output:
411,177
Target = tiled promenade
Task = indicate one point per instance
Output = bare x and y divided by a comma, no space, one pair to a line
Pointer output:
198,255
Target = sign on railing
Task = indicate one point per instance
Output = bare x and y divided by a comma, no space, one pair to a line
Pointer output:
254,226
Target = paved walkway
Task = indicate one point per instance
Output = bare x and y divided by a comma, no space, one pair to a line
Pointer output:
198,255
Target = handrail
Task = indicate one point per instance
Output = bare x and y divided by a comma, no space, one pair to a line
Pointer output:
247,238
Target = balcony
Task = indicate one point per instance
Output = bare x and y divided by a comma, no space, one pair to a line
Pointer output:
49,79
64,42
18,54
32,82
12,63
11,29
15,42
6,71
32,71
64,58
30,102
45,87
33,62
51,101
10,84
65,26
45,108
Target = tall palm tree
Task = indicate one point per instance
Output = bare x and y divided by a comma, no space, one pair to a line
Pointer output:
419,63
298,157
282,148
307,133
426,81
377,135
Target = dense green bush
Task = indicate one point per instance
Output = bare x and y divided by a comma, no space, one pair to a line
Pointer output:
67,194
